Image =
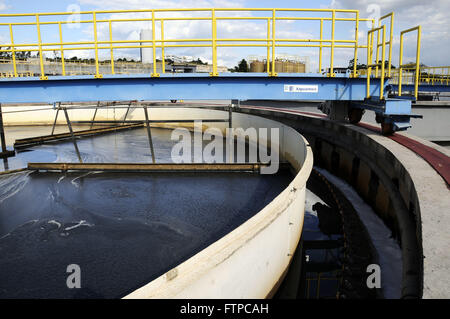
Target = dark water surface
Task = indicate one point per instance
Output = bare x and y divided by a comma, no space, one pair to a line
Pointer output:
121,147
122,229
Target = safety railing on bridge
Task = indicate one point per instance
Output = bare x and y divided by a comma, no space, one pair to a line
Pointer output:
159,43
417,66
380,43
411,73
428,75
102,22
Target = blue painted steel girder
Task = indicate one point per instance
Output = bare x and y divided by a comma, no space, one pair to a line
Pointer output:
186,87
386,107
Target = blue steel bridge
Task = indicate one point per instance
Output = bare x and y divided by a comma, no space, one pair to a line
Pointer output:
346,94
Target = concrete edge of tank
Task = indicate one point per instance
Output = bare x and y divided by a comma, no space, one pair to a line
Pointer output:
388,175
251,260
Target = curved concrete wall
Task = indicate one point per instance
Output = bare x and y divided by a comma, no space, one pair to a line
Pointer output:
381,179
252,260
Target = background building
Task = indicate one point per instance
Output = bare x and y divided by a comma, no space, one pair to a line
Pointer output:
284,63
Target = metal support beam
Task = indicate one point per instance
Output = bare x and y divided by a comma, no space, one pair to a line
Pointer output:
38,140
5,153
2,132
73,136
126,114
56,118
149,132
255,86
154,121
95,114
141,167
393,114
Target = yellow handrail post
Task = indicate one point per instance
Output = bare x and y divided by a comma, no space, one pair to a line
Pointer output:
434,76
377,54
369,61
97,68
332,43
214,42
41,58
417,68
391,39
416,84
383,57
13,52
355,61
268,47
321,46
63,65
400,67
163,58
111,48
273,43
155,73
448,74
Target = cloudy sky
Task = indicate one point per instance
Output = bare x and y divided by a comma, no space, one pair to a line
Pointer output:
430,14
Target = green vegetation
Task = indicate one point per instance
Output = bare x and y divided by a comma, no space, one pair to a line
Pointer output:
359,66
242,67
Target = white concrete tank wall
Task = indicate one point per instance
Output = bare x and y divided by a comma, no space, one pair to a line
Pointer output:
249,262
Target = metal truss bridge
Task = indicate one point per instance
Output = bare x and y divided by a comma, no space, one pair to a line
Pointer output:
347,93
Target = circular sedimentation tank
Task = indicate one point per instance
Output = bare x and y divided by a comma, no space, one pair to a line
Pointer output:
76,210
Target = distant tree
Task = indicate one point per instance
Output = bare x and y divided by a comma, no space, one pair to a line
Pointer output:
5,55
351,65
359,66
23,55
242,66
386,64
411,65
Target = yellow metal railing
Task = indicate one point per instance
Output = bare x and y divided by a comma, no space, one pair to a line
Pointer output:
391,38
380,43
435,75
402,66
158,17
381,64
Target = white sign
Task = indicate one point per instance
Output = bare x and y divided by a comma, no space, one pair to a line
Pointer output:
301,89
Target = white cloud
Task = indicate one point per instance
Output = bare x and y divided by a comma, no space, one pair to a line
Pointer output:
3,6
431,15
